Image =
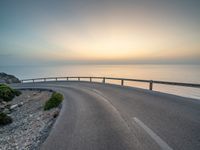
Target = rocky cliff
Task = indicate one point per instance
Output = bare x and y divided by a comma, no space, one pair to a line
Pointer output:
6,78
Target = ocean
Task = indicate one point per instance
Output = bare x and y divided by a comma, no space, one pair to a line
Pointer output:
176,73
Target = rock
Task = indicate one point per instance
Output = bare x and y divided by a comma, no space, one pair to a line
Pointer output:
4,105
55,114
6,111
20,104
2,81
9,115
3,102
8,105
13,107
1,108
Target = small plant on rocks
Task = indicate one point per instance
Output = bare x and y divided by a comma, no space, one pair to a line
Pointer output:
54,101
5,119
7,93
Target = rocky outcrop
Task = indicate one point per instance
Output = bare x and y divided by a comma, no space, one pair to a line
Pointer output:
6,78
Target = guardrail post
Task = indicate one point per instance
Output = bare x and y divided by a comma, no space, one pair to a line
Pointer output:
56,79
33,80
90,79
78,78
22,81
67,78
151,85
44,79
104,80
122,82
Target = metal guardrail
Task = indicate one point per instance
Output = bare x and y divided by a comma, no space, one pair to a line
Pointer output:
151,82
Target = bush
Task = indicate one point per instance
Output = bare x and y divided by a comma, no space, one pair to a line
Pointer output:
7,93
54,101
17,92
4,119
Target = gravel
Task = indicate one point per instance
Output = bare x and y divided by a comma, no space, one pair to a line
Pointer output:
31,124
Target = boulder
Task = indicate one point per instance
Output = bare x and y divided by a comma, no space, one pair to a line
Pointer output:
13,107
6,111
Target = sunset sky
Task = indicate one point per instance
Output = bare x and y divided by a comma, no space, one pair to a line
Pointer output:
99,31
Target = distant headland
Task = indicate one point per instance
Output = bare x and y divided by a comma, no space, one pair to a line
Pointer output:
6,78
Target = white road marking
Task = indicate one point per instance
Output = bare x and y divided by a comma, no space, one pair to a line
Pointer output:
154,136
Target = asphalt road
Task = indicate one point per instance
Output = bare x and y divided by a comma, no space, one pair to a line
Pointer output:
109,117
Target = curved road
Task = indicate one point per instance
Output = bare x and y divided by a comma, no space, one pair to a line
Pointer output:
99,116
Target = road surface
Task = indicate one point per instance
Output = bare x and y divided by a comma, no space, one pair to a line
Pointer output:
97,116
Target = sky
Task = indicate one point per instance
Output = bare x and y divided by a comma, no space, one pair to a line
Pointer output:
99,31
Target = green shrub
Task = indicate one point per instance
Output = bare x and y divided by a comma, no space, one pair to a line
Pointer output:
4,119
17,92
7,93
54,101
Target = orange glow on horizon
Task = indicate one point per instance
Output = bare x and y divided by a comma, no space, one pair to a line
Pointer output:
118,41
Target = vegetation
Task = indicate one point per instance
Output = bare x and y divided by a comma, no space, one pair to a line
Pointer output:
5,119
7,93
54,101
17,92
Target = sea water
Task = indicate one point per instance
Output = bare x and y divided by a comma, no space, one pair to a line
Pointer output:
172,73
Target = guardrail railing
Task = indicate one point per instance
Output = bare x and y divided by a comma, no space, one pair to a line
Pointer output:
151,82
